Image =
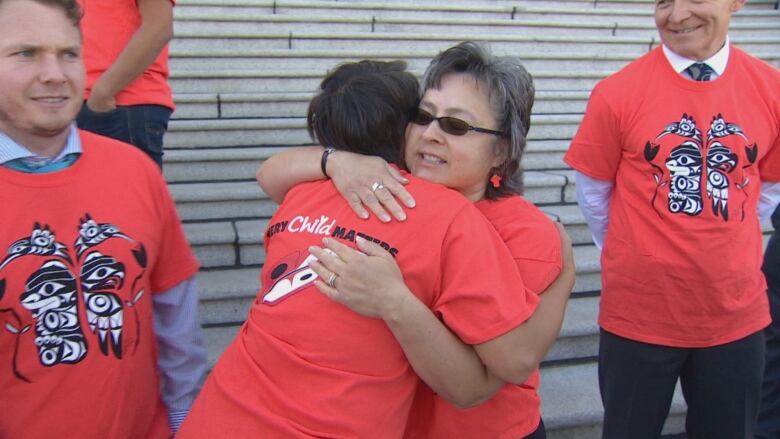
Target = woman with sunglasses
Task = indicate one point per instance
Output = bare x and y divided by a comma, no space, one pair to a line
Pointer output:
468,134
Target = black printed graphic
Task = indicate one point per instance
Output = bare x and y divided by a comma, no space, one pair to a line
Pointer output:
695,163
62,285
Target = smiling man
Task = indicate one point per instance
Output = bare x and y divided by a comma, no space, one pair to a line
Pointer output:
676,157
99,335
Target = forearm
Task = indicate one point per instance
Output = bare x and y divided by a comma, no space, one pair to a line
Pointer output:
516,354
450,367
181,352
593,198
280,172
141,50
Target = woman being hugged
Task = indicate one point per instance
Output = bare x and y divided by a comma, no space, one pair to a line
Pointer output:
468,133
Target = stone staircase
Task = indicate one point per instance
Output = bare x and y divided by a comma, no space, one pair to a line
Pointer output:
243,71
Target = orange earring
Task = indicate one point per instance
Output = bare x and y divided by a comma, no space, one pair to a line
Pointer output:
495,180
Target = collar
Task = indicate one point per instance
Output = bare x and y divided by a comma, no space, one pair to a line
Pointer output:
717,61
10,150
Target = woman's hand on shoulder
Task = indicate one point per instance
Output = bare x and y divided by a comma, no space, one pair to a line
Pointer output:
370,183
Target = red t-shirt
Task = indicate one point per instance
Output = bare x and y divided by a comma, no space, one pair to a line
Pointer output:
107,26
306,366
514,412
83,249
682,257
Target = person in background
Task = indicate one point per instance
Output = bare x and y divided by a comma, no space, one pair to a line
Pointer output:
99,336
672,176
465,89
126,54
768,425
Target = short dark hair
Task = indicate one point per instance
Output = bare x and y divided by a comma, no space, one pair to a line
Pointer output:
510,89
364,107
69,7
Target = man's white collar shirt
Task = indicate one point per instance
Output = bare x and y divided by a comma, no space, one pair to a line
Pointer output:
717,62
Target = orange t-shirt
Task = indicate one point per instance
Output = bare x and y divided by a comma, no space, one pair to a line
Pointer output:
107,26
682,256
83,249
306,366
514,412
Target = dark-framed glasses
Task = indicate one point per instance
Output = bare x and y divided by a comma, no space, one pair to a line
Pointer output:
450,125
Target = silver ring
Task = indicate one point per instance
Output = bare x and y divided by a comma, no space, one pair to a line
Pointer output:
332,280
376,186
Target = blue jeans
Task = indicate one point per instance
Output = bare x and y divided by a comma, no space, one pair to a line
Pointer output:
140,125
768,425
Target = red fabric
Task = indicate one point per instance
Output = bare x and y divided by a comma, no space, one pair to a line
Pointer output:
54,285
514,412
107,26
678,268
306,366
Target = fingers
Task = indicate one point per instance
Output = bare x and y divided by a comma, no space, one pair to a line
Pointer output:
371,248
340,251
395,186
372,201
329,260
356,204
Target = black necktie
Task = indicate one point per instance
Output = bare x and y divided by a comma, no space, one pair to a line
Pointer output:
700,71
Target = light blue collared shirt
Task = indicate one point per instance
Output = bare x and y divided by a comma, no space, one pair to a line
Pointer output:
11,150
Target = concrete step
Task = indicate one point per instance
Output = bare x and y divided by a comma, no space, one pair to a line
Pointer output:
323,59
227,38
307,80
439,9
292,131
571,403
295,104
245,200
190,21
231,164
227,295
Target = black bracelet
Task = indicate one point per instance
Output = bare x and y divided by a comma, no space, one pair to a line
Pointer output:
328,151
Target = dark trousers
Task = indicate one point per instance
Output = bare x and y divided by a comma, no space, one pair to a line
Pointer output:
768,426
140,125
721,385
539,433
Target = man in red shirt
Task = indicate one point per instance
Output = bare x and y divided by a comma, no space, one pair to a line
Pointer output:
99,336
126,55
672,156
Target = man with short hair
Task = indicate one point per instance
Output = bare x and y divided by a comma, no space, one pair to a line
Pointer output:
97,293
128,97
672,157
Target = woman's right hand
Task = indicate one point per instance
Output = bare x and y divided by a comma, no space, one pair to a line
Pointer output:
355,176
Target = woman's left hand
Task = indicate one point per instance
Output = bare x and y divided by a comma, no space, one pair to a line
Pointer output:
369,283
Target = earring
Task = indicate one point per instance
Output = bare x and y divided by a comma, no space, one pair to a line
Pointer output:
495,180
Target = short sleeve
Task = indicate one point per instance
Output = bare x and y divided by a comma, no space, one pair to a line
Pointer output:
769,166
175,260
482,295
597,147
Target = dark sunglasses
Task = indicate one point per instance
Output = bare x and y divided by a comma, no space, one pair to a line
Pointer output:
450,125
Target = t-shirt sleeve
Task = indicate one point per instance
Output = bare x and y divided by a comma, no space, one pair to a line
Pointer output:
769,166
597,147
175,260
537,253
481,295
